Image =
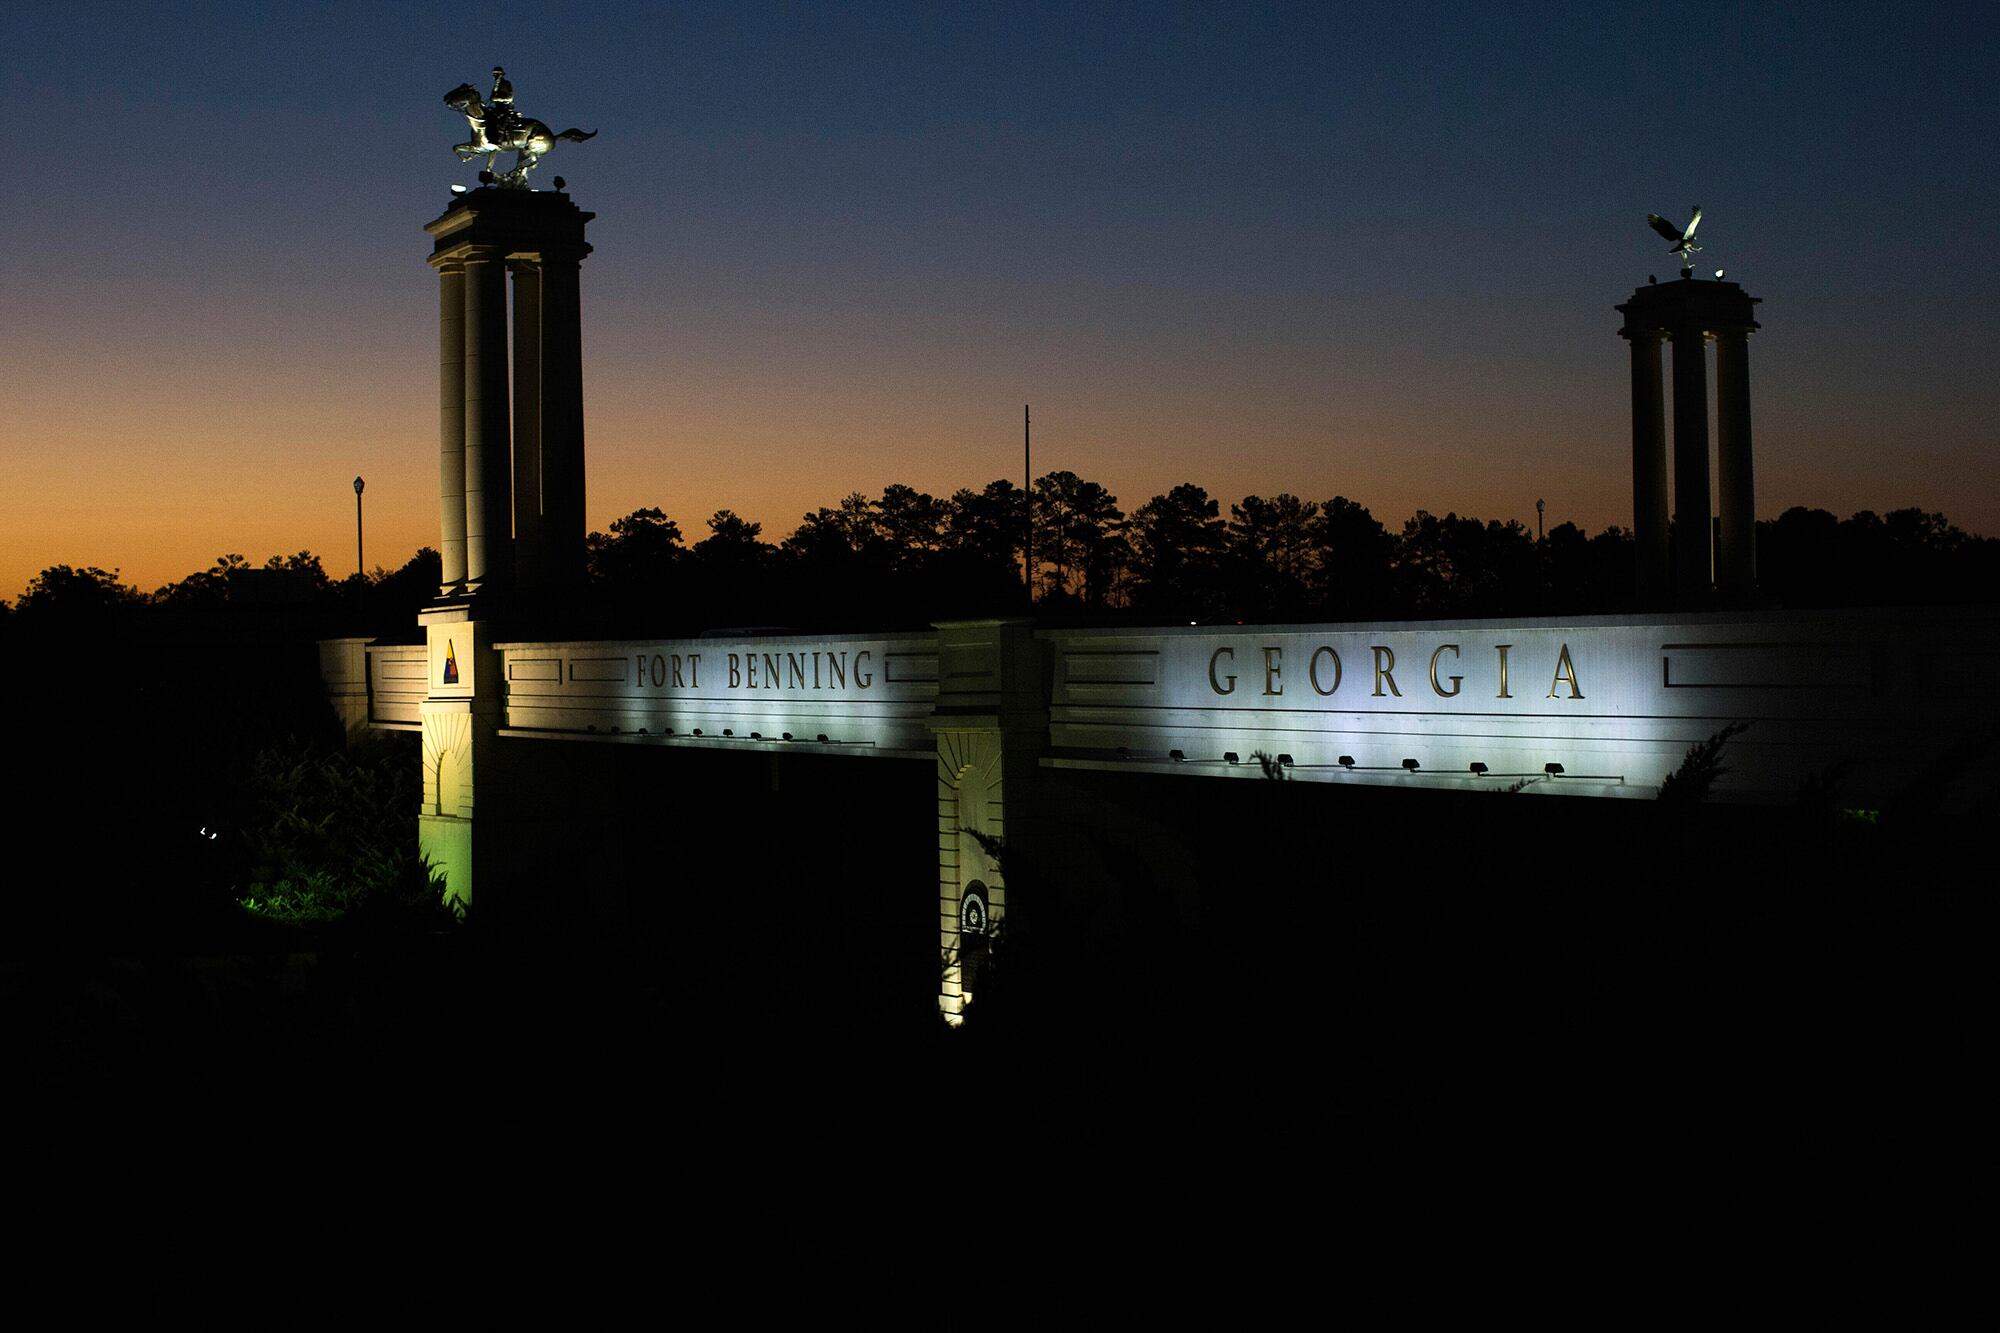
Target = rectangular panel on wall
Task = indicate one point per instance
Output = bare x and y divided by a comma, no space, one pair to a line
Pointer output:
853,693
538,669
1620,699
1766,666
614,669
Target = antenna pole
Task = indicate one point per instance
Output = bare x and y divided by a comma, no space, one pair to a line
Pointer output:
1028,503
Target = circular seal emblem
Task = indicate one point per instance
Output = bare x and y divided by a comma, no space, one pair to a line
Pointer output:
972,911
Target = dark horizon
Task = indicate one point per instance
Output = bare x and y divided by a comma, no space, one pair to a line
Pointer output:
909,559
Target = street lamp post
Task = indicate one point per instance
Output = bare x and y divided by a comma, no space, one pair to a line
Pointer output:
359,566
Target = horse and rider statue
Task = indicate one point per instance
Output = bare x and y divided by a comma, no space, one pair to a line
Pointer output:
498,128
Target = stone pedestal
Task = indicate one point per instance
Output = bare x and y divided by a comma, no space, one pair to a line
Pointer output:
461,723
1688,313
501,818
991,726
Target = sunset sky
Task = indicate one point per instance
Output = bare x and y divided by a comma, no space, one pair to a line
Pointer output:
1324,248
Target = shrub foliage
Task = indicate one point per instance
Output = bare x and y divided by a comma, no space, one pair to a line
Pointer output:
331,837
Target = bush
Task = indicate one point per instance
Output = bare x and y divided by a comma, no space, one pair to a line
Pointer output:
333,836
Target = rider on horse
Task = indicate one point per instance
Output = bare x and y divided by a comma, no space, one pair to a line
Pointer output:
502,121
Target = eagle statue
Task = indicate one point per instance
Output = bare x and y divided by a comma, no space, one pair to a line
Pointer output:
1682,237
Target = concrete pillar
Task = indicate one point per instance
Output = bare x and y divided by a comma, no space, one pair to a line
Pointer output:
1736,563
1649,469
488,520
506,820
1693,575
562,416
460,723
529,535
539,815
451,426
991,727
343,669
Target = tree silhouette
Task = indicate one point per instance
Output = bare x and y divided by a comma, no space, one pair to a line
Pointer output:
1356,559
1275,549
909,523
63,598
734,565
1079,539
989,524
835,535
1806,557
907,558
641,550
1178,546
205,588
395,597
1460,566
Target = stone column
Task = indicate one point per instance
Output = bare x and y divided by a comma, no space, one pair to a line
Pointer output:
1649,469
1736,563
460,723
488,522
562,416
538,817
529,536
1693,575
451,426
991,723
343,669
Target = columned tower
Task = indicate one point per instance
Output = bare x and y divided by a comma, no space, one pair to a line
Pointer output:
1688,313
510,484
510,500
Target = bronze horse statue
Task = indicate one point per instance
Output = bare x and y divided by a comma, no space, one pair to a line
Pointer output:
494,133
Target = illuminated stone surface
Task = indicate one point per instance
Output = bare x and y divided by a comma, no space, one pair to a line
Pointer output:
1591,706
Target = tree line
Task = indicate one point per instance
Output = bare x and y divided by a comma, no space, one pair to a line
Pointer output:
906,557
